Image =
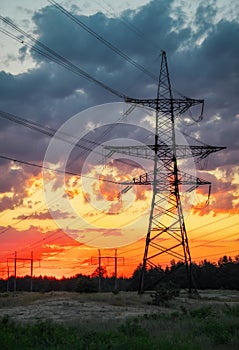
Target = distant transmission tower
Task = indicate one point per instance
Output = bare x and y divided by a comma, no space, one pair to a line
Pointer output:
166,230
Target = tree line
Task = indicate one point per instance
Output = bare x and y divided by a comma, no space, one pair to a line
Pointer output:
205,275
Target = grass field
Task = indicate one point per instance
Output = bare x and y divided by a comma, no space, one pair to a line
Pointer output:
123,321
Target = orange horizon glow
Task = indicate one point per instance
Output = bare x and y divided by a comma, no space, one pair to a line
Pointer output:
58,255
25,229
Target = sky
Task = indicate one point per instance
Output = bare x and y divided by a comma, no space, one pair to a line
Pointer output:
64,219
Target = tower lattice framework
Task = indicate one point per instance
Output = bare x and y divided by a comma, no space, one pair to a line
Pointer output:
166,232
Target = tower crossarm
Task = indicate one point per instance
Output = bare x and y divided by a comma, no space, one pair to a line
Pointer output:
164,151
134,151
203,151
184,179
164,105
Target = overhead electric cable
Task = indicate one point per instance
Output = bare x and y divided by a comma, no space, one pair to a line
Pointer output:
61,135
54,56
132,27
102,40
213,232
54,170
216,255
218,239
213,223
48,131
107,43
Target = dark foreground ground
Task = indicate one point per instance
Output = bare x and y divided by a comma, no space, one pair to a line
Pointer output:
119,321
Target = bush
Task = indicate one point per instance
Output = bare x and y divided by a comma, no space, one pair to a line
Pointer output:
164,293
86,285
202,312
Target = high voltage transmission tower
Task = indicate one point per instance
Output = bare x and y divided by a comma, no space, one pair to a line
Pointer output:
166,230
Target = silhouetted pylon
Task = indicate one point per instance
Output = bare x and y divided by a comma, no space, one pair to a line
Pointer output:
166,230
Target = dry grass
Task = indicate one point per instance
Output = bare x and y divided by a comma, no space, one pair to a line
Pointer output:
125,320
66,306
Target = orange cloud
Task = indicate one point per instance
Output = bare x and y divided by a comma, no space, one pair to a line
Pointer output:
86,197
224,196
72,193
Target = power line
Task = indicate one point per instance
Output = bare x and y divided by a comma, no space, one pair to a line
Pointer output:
124,252
54,56
32,164
92,239
101,39
200,245
51,169
108,44
51,132
59,59
213,232
134,29
218,239
212,223
61,171
62,235
212,255
41,166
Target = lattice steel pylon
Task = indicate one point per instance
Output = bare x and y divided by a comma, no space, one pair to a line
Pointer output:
166,230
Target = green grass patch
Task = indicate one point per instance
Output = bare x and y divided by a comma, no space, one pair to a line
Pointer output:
198,329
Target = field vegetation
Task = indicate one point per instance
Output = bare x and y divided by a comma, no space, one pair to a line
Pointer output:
210,322
69,313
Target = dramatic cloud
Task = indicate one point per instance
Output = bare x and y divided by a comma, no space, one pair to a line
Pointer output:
224,197
201,42
203,59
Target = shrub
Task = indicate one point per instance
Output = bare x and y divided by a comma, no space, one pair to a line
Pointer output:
164,293
86,285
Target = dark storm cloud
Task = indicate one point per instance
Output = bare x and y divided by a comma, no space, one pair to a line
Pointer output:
208,64
203,62
71,40
217,62
204,16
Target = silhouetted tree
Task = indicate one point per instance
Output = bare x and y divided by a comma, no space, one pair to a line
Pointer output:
86,285
207,275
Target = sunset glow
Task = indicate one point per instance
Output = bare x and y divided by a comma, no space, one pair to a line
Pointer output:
63,194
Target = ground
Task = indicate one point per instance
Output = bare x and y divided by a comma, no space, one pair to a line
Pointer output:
64,307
